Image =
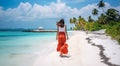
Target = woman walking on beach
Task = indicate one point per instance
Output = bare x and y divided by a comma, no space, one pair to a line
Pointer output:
61,37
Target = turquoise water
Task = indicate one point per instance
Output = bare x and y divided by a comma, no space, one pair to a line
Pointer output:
13,42
20,48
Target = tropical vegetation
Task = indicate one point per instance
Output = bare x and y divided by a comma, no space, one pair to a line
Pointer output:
109,20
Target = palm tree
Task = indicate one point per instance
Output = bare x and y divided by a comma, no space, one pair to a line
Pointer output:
119,18
112,14
90,19
81,23
101,4
71,21
74,20
102,19
80,17
95,12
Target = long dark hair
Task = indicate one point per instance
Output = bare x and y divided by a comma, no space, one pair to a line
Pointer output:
61,23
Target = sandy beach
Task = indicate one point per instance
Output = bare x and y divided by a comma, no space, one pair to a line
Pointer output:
82,52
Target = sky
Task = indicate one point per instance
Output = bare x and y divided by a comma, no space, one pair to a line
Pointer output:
45,13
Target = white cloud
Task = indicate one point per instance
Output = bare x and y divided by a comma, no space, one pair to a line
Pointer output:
87,10
28,12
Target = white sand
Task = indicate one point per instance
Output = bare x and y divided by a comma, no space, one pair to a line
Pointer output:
112,48
80,53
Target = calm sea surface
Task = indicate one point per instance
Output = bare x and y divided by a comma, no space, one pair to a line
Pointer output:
20,48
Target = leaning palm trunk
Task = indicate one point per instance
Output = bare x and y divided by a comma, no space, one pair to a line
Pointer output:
103,10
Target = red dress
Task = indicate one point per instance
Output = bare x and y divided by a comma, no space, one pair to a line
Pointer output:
62,46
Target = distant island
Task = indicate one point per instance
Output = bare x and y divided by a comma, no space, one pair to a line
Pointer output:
40,29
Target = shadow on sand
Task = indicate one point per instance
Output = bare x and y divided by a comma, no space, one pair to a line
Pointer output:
65,56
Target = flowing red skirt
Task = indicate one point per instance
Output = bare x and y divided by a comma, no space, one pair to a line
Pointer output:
62,45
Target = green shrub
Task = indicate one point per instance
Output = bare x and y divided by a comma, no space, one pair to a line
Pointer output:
114,30
93,26
104,26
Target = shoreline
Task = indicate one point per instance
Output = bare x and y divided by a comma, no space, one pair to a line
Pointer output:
103,49
39,31
81,52
104,58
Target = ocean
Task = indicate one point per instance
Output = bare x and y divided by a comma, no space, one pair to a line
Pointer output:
19,48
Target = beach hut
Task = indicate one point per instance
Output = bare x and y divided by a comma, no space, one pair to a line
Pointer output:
40,28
